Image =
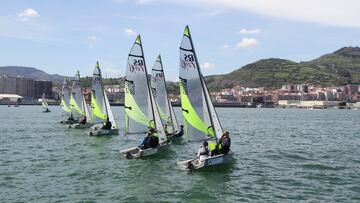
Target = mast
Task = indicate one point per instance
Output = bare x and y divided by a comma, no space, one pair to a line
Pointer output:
167,96
102,88
138,40
82,95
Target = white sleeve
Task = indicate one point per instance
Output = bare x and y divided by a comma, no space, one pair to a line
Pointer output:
200,151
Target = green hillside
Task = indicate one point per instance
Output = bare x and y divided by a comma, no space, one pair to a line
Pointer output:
338,68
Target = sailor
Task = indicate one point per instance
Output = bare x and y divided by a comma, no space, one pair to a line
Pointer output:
153,140
223,145
71,118
107,125
83,120
150,141
144,141
203,152
178,133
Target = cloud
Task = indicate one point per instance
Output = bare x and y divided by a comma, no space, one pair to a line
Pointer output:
92,40
215,13
27,14
225,46
249,31
247,42
130,32
207,65
343,13
13,26
140,2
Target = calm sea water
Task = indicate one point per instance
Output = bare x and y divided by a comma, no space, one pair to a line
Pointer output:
282,155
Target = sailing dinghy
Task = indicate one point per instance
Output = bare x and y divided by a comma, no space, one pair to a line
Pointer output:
141,110
100,107
200,118
78,104
158,87
44,104
65,103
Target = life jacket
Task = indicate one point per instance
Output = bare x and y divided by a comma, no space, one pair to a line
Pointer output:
211,145
225,143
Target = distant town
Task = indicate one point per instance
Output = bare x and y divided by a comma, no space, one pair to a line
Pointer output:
21,90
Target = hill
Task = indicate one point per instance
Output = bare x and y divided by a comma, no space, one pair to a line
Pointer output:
29,72
338,68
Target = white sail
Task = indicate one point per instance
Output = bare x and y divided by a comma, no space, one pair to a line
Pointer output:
86,110
98,105
110,113
65,97
215,119
173,118
201,120
158,86
140,106
138,110
76,95
160,131
44,102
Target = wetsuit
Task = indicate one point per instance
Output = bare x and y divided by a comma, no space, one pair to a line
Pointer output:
222,147
143,144
225,145
179,134
107,126
152,142
83,121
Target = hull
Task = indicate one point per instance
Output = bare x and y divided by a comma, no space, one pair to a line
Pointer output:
200,163
79,126
97,131
136,152
70,121
175,139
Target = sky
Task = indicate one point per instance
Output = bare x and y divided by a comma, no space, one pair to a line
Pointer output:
61,37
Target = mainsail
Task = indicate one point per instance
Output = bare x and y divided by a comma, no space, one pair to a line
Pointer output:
65,97
141,110
201,120
44,102
76,103
158,86
86,110
99,101
137,95
77,99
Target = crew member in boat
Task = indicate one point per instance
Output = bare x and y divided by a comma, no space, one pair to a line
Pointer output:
150,141
83,120
71,118
178,133
223,145
107,125
203,152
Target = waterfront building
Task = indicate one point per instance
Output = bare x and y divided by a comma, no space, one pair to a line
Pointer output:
43,86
